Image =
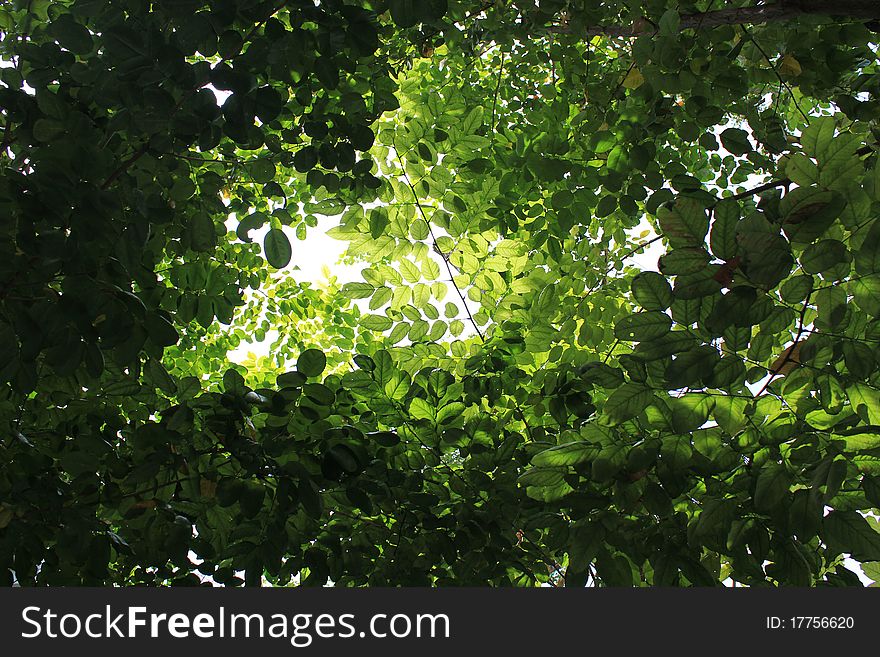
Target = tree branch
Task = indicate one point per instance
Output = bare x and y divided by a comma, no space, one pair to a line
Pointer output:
784,182
138,154
756,14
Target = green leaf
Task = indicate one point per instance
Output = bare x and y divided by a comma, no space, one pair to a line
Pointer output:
872,571
410,271
250,499
430,270
420,409
407,13
472,120
866,291
421,296
233,382
160,376
541,477
848,532
311,362
400,331
685,223
343,458
723,234
767,258
868,256
730,413
795,289
203,236
736,141
642,326
606,206
652,291
683,261
669,23
378,222
384,438
310,498
859,359
618,160
418,330
376,322
72,35
160,330
585,543
358,290
817,137
865,401
862,441
276,246
772,487
46,130
359,500
438,330
805,515
691,367
732,309
627,402
248,223
823,255
676,451
808,212
262,170
567,454
690,411
379,298
305,159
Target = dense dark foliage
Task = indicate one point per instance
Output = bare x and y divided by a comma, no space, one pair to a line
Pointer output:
508,396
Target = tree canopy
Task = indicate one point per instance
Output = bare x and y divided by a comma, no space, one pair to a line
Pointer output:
507,395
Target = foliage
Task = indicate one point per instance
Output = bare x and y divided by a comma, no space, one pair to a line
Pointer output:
505,398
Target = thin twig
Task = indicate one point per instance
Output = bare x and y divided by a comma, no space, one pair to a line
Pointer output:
791,350
443,255
773,68
138,154
497,89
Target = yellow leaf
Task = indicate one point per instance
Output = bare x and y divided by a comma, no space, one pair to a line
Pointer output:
789,66
788,360
634,79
